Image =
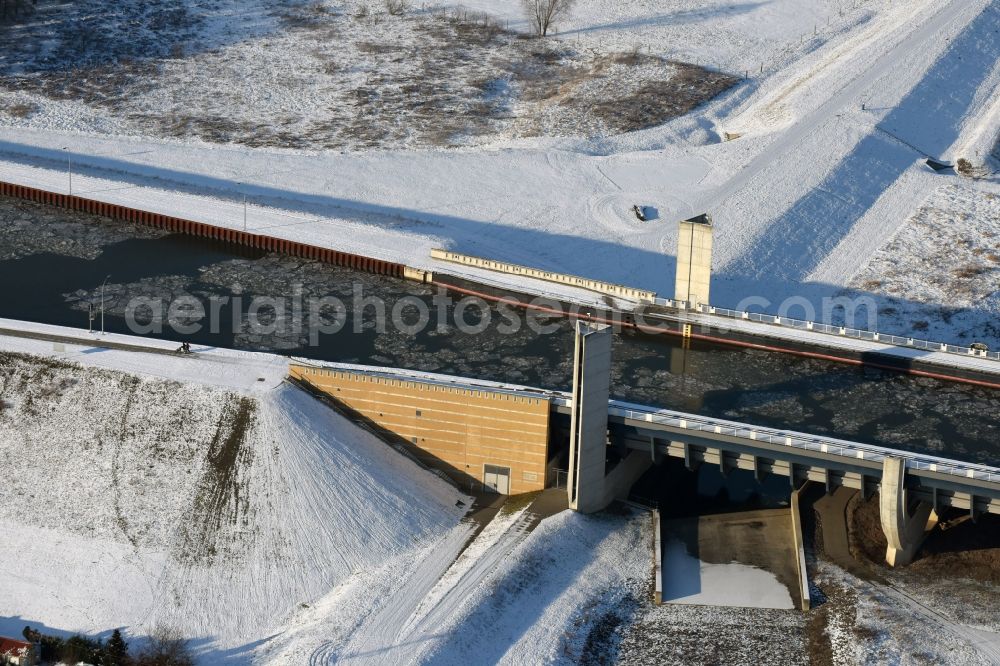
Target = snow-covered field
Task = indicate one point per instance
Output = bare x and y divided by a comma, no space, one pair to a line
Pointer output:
843,103
328,75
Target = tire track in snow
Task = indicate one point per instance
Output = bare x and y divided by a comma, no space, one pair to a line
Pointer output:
430,616
989,650
838,99
771,110
406,625
373,640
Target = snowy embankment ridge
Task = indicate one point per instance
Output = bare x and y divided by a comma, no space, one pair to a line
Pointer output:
136,502
205,494
825,186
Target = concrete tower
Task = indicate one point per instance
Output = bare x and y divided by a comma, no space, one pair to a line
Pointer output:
589,422
694,260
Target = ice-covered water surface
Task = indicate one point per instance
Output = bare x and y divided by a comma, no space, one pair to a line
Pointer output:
56,281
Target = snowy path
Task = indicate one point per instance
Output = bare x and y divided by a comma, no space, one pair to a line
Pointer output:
251,372
985,643
847,165
842,94
412,618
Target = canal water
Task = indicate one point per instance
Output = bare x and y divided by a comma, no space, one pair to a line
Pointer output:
53,264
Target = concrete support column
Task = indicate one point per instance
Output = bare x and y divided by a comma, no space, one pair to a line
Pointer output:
694,260
589,421
904,530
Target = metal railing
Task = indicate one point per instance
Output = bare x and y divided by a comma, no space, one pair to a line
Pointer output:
829,329
802,441
760,318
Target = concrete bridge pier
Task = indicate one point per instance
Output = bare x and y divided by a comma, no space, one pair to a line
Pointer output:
589,485
905,523
589,420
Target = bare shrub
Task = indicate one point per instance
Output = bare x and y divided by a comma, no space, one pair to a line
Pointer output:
361,12
970,271
165,648
396,7
966,168
542,14
21,110
631,58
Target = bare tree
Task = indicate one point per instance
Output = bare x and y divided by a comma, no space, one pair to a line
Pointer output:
396,7
543,13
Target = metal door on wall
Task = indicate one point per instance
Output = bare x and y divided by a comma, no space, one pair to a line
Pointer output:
496,479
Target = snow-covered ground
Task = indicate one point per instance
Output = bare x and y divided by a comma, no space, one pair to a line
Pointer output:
206,494
332,75
138,502
828,170
875,622
943,266
513,597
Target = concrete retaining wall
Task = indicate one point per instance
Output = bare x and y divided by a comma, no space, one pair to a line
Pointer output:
203,230
800,552
549,276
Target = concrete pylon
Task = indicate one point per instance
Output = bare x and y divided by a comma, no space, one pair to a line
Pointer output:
904,530
694,260
589,422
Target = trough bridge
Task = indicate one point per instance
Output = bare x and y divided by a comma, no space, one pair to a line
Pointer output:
499,435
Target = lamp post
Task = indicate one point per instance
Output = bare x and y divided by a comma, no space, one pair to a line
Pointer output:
102,302
69,168
242,187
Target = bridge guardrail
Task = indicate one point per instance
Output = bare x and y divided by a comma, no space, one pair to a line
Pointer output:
805,442
839,331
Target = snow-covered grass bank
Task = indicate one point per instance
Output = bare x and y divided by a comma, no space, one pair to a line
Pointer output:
258,523
138,502
943,266
874,622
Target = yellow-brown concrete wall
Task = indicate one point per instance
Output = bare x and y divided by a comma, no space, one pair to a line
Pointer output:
465,428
